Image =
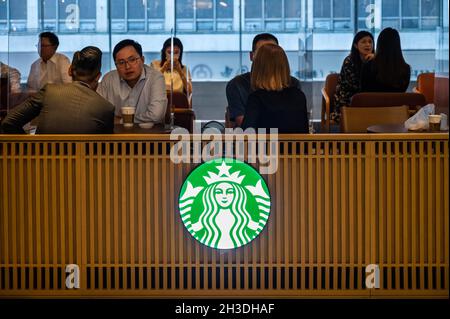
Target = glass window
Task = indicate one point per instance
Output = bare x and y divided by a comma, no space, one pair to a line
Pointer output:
205,9
342,9
184,8
292,8
48,9
410,8
135,9
155,9
18,9
362,7
430,8
273,8
118,9
225,9
322,9
390,8
88,9
253,9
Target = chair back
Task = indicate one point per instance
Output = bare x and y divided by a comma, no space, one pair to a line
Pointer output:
4,93
328,91
358,119
228,122
378,99
425,85
184,118
180,100
330,86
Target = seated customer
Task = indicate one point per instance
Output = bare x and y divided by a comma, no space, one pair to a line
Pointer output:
387,71
239,87
182,81
349,81
135,84
13,76
274,102
51,67
73,108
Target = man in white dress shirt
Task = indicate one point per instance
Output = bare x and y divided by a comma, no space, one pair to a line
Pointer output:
51,67
135,84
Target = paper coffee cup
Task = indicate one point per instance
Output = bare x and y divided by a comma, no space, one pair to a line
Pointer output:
128,115
434,121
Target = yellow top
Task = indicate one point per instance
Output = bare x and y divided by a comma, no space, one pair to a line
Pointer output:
178,85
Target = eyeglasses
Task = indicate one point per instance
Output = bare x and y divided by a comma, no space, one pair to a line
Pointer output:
44,45
130,61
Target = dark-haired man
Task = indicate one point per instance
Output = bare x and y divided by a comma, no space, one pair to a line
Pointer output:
73,108
51,67
135,84
239,88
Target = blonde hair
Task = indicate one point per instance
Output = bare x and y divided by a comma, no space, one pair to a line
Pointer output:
270,69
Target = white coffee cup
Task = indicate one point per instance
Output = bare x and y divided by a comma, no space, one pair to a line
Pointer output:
128,115
434,121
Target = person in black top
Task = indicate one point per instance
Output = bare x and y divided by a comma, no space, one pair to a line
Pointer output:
239,88
387,71
274,103
349,81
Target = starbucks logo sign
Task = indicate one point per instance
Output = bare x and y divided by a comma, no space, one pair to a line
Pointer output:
224,203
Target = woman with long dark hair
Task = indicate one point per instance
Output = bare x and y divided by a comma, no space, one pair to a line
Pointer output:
388,71
349,78
181,76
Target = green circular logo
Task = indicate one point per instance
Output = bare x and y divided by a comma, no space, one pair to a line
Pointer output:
224,203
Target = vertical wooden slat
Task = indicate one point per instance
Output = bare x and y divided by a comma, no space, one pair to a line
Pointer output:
123,214
405,212
311,213
91,213
430,213
116,234
414,248
149,239
343,211
140,214
421,217
318,200
397,196
132,212
100,242
303,223
21,215
31,205
390,214
351,211
360,211
108,211
6,159
295,208
335,221
327,213
156,211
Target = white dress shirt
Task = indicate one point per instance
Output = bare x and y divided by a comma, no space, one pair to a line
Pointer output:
148,95
53,71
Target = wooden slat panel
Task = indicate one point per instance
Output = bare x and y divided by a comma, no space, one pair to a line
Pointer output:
332,214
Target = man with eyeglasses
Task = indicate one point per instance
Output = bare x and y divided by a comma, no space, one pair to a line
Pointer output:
51,67
135,84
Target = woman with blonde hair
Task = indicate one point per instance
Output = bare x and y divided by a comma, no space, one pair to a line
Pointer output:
274,103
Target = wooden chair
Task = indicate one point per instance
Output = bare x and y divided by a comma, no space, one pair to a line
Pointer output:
185,118
328,100
180,100
228,122
376,99
358,119
425,85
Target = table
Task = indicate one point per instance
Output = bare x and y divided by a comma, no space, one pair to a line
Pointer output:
396,128
136,129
